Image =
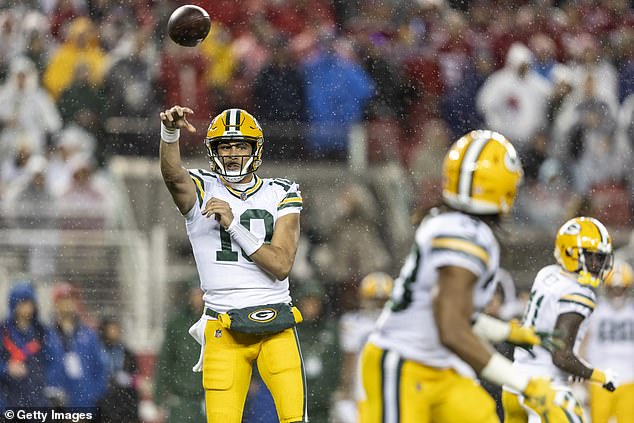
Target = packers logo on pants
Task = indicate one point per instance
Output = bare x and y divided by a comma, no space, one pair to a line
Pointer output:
263,316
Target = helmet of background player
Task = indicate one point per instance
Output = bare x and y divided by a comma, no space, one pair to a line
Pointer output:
584,246
481,173
234,125
621,276
376,286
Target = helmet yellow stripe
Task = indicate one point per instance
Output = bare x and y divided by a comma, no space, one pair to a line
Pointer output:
468,165
603,232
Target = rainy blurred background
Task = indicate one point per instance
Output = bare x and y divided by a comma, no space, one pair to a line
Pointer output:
358,99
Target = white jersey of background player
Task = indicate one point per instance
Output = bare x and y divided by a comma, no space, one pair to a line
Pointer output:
562,299
610,340
354,329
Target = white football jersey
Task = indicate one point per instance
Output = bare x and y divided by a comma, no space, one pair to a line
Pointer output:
229,278
554,292
610,340
407,324
354,329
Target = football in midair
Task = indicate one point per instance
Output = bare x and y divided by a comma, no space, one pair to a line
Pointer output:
188,25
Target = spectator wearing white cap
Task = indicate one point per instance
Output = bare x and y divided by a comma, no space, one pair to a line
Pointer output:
28,114
88,202
28,204
513,99
72,141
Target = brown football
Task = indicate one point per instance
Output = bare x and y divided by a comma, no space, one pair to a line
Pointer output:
188,25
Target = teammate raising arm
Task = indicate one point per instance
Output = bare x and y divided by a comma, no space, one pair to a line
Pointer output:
244,232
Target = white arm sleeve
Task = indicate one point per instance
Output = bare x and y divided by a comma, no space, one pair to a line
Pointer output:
490,328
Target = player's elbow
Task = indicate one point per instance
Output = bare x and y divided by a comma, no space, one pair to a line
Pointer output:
172,178
448,334
282,271
563,358
449,339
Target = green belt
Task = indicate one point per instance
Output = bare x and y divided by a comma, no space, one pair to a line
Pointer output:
209,312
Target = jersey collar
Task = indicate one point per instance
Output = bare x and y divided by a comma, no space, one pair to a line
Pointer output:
243,195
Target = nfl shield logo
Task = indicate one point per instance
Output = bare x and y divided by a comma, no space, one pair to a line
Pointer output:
218,333
243,196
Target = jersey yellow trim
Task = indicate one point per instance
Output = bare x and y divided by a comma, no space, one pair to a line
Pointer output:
200,187
290,200
461,245
580,299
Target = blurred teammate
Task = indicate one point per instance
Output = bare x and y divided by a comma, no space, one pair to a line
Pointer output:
355,327
610,340
562,298
407,365
244,232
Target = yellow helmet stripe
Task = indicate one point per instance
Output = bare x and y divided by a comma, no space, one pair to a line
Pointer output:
603,232
579,299
468,166
461,245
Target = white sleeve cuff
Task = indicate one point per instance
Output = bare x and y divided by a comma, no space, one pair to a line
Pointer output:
500,371
245,239
490,328
170,135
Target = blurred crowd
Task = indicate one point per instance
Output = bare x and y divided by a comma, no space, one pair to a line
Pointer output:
67,359
84,80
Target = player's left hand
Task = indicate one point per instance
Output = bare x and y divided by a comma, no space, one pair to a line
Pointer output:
607,378
527,337
220,209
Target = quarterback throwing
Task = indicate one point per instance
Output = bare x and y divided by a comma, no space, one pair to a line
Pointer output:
244,232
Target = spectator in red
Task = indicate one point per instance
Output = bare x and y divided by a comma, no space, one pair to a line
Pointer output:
291,17
63,13
182,78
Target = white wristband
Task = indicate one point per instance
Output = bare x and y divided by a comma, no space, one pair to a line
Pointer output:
170,135
490,328
245,239
500,371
